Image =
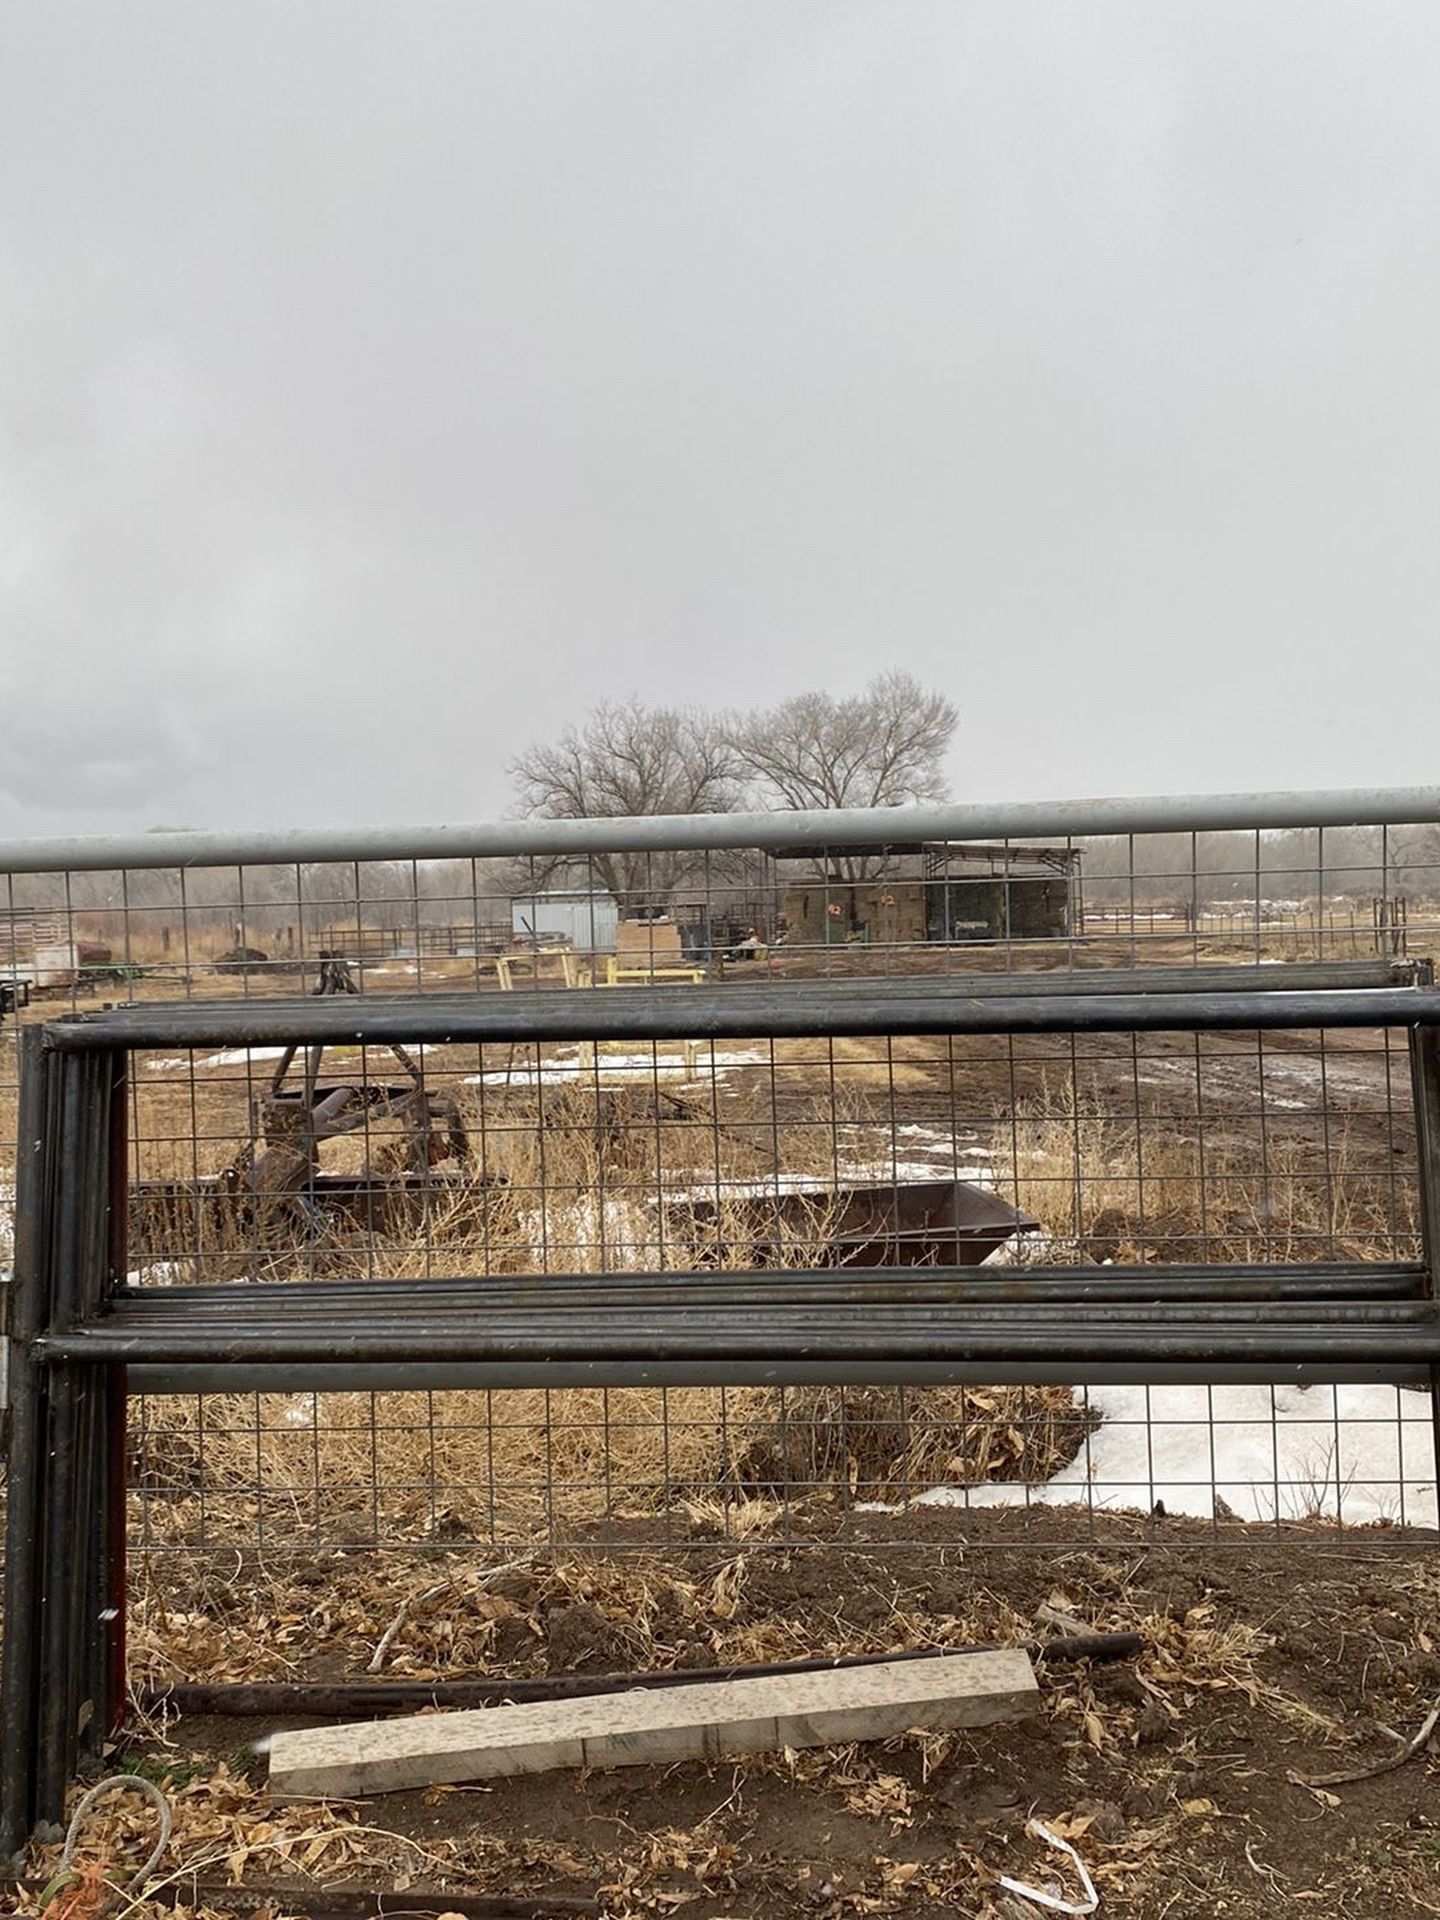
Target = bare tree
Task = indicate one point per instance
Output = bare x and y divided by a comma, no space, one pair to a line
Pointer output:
630,759
882,747
879,748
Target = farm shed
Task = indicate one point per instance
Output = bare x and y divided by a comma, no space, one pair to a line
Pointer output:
921,891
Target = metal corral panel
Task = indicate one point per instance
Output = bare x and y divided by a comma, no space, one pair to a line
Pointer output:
587,920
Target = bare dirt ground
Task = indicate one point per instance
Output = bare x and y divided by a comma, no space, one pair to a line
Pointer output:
1177,1776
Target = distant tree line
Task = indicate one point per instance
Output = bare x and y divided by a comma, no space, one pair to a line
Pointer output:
882,747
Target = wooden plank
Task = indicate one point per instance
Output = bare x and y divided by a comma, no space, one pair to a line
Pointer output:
656,1727
616,975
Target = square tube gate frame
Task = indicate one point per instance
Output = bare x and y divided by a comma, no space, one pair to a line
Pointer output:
62,1687
76,1327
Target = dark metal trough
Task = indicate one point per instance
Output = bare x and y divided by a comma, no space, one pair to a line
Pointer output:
905,1223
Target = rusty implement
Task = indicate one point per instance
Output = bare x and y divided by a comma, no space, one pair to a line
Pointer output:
907,1223
412,1140
291,1123
170,1219
278,1188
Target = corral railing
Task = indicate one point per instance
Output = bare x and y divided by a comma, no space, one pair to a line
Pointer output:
1120,1215
1169,881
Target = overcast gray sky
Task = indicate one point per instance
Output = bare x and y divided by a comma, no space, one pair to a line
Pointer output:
381,386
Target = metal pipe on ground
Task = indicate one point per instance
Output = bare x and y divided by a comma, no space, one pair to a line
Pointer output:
360,1699
314,1903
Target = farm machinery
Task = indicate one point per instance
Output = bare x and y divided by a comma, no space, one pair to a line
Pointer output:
278,1186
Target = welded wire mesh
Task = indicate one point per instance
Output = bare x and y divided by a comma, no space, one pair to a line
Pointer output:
1029,1153
1173,898
608,1160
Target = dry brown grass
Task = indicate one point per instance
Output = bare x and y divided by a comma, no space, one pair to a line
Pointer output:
1137,1190
585,1186
575,1463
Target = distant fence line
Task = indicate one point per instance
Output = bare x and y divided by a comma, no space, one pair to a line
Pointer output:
1328,874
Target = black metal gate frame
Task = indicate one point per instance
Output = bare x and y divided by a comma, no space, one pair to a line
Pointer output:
82,1337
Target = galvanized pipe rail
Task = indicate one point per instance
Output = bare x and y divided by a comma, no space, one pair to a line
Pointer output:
720,832
78,1326
1280,976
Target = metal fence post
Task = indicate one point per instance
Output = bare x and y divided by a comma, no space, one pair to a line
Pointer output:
24,1518
75,1682
1425,1081
60,1678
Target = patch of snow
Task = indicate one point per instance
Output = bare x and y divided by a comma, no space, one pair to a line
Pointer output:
847,1174
624,1067
1039,1249
242,1056
770,1187
932,1153
940,1139
1353,1454
159,1273
883,1169
1306,1070
943,1145
1292,1069
589,1234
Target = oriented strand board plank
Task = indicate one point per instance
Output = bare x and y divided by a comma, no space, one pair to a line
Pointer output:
656,1727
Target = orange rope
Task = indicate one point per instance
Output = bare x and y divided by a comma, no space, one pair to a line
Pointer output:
86,1897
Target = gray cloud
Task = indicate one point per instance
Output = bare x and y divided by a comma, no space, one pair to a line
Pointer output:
381,386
